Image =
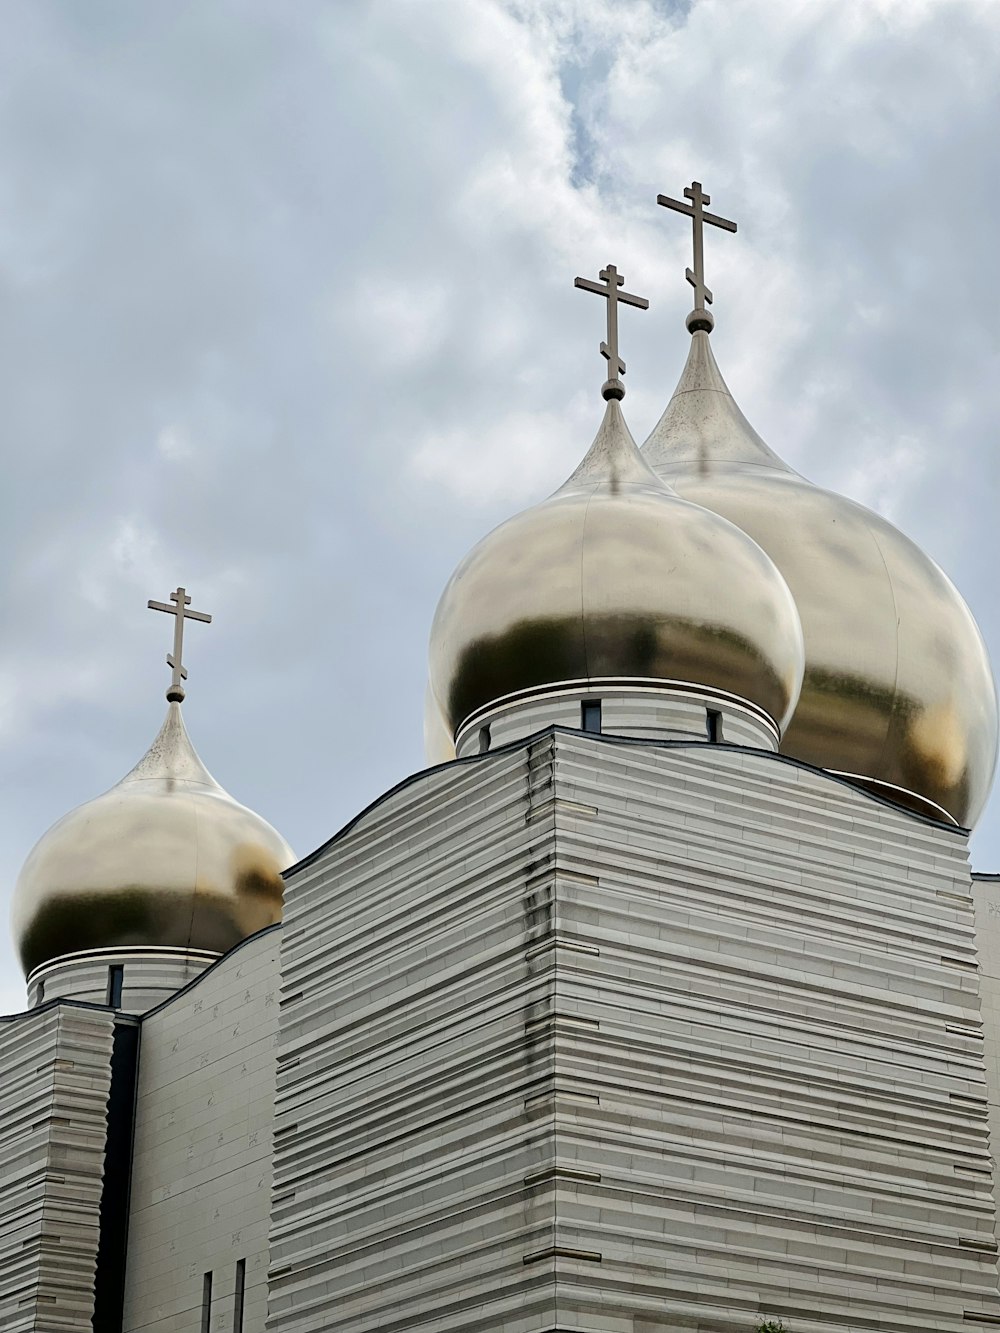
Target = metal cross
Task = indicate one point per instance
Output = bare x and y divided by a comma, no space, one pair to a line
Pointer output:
611,280
699,317
181,602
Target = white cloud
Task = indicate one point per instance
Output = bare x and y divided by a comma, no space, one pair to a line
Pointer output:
289,318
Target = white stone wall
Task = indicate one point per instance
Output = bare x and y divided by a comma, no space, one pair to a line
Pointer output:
56,1075
636,1038
203,1137
986,893
401,1138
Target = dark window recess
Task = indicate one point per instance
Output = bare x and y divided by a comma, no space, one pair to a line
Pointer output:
484,739
590,715
241,1281
109,1278
206,1304
116,979
40,993
714,726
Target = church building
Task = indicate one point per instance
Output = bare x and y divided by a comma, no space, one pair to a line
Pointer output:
665,1001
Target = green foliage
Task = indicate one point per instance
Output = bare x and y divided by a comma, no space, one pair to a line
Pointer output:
770,1326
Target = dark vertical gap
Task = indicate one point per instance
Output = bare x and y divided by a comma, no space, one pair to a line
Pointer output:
116,980
109,1278
484,739
590,715
206,1304
714,725
241,1280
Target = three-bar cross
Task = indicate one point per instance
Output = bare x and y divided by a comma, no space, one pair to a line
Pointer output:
180,610
699,317
608,287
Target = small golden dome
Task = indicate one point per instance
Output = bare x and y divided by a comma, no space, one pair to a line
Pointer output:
898,691
165,858
614,576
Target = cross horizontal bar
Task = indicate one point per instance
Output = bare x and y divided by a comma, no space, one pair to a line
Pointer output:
688,210
173,611
602,289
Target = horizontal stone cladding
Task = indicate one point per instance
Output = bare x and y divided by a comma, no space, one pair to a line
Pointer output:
201,1174
986,892
591,1034
407,1058
56,1064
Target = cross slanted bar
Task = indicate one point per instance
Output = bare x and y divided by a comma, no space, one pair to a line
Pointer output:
611,281
181,602
699,318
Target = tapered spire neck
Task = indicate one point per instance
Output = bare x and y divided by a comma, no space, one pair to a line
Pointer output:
613,461
702,425
171,762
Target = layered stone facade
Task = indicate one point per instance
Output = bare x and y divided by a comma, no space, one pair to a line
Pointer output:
595,1034
585,1033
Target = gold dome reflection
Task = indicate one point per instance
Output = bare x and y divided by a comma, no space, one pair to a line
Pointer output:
165,858
898,690
615,576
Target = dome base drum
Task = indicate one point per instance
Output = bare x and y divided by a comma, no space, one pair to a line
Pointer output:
644,710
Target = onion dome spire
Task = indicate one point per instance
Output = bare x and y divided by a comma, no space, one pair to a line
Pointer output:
165,859
898,694
613,581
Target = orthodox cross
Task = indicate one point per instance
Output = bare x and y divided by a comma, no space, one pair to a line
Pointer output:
181,602
611,280
699,317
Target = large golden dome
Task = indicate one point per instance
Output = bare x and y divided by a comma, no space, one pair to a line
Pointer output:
898,691
165,858
614,576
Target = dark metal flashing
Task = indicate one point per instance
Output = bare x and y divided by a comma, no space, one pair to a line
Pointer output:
610,739
196,981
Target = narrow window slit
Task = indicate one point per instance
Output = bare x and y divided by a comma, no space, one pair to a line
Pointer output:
116,979
713,726
590,715
241,1279
206,1304
484,739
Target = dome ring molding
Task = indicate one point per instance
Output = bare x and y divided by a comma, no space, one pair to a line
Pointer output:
143,952
897,796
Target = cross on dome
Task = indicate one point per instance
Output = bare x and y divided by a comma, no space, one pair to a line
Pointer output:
608,287
180,612
699,318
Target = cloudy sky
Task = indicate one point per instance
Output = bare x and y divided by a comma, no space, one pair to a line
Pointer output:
287,316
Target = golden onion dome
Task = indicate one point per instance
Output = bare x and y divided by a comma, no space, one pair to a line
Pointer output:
614,576
898,692
166,858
